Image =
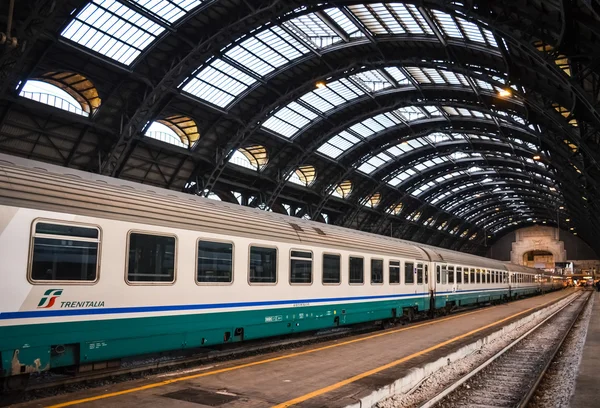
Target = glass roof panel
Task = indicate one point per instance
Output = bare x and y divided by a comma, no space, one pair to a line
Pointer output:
371,19
407,18
288,120
313,30
447,24
398,75
112,29
170,10
267,51
471,30
219,83
338,144
372,80
419,75
344,22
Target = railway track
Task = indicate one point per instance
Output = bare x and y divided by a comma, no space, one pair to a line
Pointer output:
510,377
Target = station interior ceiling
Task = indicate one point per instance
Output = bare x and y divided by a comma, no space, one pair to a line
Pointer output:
451,123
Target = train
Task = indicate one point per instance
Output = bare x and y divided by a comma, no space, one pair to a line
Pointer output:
96,269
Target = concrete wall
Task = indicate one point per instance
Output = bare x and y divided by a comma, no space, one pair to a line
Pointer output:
576,249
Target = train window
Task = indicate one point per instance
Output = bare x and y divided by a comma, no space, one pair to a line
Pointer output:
394,272
357,270
451,275
473,277
151,258
215,262
478,276
409,273
64,252
376,271
420,274
263,265
488,274
438,274
459,274
426,274
331,269
301,267
444,274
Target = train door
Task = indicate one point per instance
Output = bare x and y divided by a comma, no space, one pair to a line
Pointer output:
422,286
430,271
442,288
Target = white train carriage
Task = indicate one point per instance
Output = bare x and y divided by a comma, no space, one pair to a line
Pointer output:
96,269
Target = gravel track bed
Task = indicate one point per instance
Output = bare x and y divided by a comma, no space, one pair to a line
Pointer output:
446,376
506,381
558,385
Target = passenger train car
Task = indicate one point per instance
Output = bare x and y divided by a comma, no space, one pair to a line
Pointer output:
96,269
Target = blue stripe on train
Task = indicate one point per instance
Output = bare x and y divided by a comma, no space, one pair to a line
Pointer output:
170,308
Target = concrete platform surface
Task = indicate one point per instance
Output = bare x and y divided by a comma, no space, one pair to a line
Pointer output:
587,385
331,374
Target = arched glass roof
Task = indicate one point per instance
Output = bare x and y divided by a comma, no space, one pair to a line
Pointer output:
221,81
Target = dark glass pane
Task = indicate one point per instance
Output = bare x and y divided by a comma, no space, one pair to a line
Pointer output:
331,268
60,259
451,274
356,270
302,254
376,270
459,275
409,276
263,265
215,261
394,272
419,274
301,271
151,258
68,230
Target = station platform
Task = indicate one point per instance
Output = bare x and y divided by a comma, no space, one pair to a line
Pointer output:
332,374
587,385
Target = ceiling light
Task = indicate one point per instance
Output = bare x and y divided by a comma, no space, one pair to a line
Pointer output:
537,157
321,84
544,222
561,208
504,93
571,228
568,219
497,209
574,233
552,189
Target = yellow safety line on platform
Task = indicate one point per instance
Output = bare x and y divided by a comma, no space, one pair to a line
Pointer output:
397,362
270,360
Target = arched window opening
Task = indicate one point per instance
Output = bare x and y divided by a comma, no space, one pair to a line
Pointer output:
325,217
429,222
304,176
183,131
443,225
213,196
251,157
343,189
63,90
374,200
165,134
306,217
395,209
472,237
464,233
414,216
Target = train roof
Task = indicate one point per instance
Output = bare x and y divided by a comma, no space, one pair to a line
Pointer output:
33,184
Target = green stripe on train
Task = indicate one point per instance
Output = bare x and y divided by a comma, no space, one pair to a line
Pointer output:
39,347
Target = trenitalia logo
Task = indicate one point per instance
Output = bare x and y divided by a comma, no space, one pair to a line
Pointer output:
49,298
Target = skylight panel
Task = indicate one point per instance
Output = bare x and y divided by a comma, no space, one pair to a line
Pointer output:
344,22
433,110
407,19
394,151
447,24
372,80
346,89
471,30
288,120
418,75
451,111
170,10
338,144
113,30
410,113
372,23
489,36
391,23
438,137
484,85
451,77
434,75
464,112
219,83
398,75
322,101
362,129
373,164
267,51
312,29
367,168
387,120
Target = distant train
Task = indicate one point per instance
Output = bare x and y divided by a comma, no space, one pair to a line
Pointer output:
96,269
